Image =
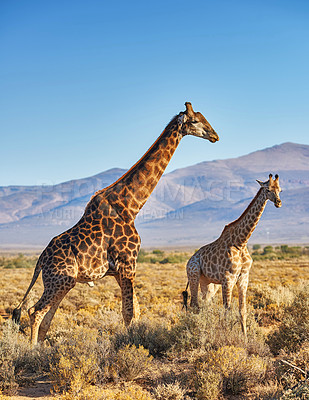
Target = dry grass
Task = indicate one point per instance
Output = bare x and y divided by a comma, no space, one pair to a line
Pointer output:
90,319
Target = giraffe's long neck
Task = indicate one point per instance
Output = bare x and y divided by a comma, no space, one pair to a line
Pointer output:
131,191
240,230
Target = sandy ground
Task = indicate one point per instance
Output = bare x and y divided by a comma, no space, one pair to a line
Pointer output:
40,390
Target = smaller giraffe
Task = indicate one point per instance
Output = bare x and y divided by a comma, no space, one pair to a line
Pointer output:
226,261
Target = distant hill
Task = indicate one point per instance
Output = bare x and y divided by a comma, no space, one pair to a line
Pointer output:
189,207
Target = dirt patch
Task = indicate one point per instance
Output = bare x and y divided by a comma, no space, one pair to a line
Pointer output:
40,390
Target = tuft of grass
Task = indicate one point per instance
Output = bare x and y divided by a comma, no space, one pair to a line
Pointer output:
269,302
153,336
88,329
127,393
208,384
17,359
169,391
299,392
214,327
294,329
131,362
291,368
229,369
74,363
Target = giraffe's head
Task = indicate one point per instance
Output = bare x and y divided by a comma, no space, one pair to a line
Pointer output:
272,189
194,123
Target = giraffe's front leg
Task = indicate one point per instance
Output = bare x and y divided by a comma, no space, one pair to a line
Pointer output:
130,306
242,285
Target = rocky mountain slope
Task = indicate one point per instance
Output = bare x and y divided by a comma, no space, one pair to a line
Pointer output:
189,207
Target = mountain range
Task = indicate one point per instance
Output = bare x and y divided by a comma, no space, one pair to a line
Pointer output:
189,207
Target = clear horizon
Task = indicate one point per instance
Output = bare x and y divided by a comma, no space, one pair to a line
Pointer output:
89,87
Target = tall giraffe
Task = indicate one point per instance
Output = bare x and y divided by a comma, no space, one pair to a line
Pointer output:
226,261
105,241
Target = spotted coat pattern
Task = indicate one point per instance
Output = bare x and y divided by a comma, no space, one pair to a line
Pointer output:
227,261
105,241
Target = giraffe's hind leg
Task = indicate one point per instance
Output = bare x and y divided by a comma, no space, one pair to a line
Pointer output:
193,274
41,314
208,289
45,324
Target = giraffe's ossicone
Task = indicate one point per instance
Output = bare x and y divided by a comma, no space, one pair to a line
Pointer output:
226,261
105,241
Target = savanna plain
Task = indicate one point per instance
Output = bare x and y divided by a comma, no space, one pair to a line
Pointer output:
169,353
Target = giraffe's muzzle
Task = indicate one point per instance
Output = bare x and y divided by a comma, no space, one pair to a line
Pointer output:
214,137
278,203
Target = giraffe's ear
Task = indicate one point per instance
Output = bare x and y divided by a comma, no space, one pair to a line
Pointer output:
260,183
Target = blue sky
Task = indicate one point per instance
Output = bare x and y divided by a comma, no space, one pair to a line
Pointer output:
89,85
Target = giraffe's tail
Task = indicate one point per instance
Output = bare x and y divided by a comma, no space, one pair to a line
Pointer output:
16,314
185,297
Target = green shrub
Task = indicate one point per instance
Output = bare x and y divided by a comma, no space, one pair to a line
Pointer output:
142,256
284,248
19,261
279,252
295,250
158,252
158,256
174,259
267,250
